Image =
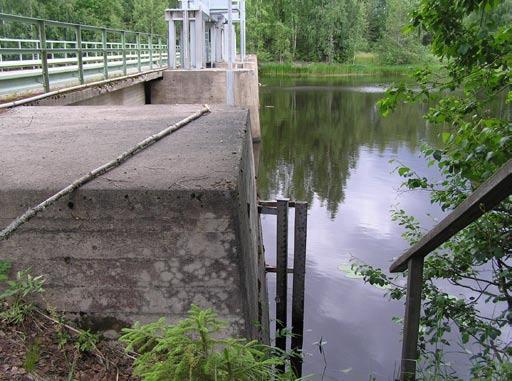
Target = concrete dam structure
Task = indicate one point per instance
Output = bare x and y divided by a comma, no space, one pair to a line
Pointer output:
175,225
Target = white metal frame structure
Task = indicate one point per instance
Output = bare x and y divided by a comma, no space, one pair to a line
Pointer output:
206,33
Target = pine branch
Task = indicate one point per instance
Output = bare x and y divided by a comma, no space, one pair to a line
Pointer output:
107,167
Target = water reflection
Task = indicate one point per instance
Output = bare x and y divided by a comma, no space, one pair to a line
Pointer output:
324,142
313,135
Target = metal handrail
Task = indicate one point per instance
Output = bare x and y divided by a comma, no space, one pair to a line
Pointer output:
487,196
110,52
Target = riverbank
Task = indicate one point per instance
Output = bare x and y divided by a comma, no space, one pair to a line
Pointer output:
301,69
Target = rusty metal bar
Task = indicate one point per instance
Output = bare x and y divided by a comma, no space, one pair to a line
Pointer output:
267,210
273,204
299,275
270,269
282,274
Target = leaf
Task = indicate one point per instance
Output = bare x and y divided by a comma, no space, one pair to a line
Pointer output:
349,272
402,171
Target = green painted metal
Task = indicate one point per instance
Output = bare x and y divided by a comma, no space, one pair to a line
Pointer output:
105,53
79,54
123,43
50,60
44,57
138,53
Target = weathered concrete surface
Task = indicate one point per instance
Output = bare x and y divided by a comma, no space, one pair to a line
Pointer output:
177,224
122,91
129,96
209,86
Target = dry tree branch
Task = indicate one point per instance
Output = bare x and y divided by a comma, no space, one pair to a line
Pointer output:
32,212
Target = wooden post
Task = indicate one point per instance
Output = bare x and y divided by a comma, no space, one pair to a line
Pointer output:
44,59
282,273
299,274
105,53
79,54
412,319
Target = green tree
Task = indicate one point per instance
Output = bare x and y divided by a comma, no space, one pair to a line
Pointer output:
396,46
148,15
473,96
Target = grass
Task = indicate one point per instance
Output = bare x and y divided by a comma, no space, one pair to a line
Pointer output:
271,69
362,64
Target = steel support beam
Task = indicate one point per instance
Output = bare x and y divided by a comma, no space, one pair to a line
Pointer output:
186,40
171,46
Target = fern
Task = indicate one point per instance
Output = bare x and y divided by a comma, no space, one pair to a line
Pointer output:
194,350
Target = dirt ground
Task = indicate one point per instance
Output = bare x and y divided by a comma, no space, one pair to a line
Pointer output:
30,352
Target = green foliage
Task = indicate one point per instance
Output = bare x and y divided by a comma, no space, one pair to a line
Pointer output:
332,30
86,341
193,350
18,294
399,46
63,338
270,69
32,356
139,15
4,270
470,97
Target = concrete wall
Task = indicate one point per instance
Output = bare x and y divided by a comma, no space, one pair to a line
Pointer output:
209,86
122,91
129,96
175,225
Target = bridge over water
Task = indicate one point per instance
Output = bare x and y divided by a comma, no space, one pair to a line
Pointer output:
178,223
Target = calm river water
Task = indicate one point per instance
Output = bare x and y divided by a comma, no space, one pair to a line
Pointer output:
324,141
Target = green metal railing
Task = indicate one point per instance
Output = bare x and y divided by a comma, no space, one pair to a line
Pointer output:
66,59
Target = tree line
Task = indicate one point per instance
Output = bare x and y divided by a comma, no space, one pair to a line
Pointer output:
137,15
278,30
333,30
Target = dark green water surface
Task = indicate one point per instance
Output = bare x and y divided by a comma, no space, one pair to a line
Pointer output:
324,141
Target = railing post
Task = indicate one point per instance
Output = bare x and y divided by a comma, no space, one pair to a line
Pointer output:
160,51
412,319
282,272
105,52
79,54
150,46
123,47
44,59
299,274
139,66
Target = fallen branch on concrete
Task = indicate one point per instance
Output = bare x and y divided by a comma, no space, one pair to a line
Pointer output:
32,212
